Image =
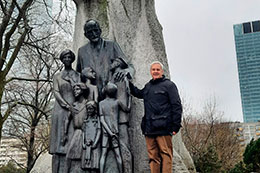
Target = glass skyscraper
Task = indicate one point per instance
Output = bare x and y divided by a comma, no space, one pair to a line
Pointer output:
247,41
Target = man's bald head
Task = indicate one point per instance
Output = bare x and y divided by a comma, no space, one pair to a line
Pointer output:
92,30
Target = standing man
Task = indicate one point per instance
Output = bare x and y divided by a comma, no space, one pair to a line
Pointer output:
162,117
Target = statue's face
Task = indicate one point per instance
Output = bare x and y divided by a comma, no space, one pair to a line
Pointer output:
111,90
92,32
92,74
90,110
115,64
77,91
89,73
67,59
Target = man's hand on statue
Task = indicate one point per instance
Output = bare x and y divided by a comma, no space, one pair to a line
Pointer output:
173,133
119,76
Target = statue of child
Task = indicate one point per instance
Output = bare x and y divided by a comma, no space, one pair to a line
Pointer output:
91,137
89,75
109,118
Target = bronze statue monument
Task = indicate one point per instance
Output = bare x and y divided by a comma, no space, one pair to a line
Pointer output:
89,127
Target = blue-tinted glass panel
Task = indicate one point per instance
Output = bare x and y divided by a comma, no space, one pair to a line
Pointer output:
256,26
247,27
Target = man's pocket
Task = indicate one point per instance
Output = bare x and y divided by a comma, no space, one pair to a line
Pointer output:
159,121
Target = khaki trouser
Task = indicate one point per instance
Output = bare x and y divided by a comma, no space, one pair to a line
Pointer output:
160,151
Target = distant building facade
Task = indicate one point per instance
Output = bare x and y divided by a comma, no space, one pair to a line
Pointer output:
248,131
247,41
10,151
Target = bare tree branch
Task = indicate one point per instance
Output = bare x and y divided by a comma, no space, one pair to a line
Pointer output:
11,32
8,111
27,79
3,27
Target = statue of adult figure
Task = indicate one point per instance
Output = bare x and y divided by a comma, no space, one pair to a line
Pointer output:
63,93
99,54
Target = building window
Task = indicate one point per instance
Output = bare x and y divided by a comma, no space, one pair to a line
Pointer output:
247,27
256,26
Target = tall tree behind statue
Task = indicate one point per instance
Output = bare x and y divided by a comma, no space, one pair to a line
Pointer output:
134,26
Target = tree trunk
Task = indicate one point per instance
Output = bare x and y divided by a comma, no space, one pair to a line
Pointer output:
134,25
30,157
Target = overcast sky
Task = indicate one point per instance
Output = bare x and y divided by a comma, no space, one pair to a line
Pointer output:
200,47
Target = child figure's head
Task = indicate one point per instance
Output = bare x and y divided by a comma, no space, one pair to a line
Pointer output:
80,89
91,107
88,73
111,90
115,64
119,62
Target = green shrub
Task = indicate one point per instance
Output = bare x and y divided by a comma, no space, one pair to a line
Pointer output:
252,154
11,168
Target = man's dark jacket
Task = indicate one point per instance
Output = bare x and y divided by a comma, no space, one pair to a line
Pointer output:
162,106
